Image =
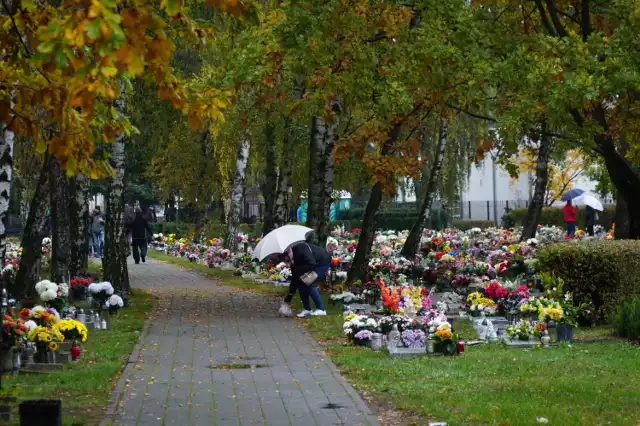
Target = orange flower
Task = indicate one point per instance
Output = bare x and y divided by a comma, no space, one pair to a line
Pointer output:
444,334
24,313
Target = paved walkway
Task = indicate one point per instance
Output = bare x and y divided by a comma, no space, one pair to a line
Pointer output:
212,355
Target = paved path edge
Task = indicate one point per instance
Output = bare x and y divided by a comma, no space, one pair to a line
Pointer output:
118,390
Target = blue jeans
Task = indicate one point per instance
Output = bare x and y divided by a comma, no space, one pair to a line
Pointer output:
97,243
571,229
312,290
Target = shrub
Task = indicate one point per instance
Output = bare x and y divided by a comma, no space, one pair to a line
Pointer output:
555,216
627,319
181,229
465,225
597,272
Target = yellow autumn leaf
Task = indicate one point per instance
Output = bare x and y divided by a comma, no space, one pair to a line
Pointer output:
109,71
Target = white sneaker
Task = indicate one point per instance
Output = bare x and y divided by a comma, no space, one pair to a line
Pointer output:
304,314
319,313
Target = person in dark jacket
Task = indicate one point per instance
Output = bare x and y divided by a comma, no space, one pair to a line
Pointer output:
139,228
590,220
304,258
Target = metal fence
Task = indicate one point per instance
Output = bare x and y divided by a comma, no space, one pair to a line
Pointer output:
487,210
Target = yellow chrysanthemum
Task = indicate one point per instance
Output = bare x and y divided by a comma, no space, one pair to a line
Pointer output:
53,346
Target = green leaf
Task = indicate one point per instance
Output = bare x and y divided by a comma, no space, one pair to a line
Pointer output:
46,47
93,29
172,7
61,59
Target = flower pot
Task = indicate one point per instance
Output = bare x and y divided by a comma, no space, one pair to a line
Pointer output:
75,352
362,342
41,355
523,338
564,333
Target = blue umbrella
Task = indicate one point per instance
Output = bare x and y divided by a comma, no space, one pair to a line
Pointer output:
570,195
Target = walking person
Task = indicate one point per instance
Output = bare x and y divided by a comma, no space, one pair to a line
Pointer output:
570,213
590,220
97,232
306,258
140,233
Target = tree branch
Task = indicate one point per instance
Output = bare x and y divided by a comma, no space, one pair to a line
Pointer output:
555,18
586,20
472,114
544,18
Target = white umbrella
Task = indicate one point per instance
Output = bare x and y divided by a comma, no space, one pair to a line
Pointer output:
589,200
278,240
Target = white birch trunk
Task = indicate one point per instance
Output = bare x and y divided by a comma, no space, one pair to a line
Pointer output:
237,189
413,239
7,138
79,224
115,241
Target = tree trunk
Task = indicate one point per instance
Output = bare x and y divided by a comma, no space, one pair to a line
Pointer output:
201,205
285,186
115,238
271,175
79,207
323,137
281,208
413,240
6,171
621,219
626,180
237,189
359,265
60,223
532,218
32,235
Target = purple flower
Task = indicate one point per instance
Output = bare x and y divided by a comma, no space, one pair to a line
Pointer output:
414,338
363,335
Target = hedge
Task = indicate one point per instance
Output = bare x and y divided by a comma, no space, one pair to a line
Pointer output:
601,272
555,216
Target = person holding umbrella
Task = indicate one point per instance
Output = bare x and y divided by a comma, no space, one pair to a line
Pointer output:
309,264
590,220
570,213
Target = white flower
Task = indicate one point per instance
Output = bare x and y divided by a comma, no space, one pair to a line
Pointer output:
42,286
48,295
115,300
64,289
31,324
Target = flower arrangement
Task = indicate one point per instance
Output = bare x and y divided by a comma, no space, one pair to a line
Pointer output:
114,303
100,292
523,330
14,331
346,297
45,337
52,294
42,316
414,338
363,335
72,330
78,288
445,340
354,323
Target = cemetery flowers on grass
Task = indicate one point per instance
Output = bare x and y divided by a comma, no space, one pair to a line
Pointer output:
84,387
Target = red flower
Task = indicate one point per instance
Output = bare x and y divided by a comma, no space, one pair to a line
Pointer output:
439,255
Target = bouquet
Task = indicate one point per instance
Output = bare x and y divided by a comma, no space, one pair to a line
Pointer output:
46,338
72,330
114,303
52,294
100,292
42,316
414,338
445,340
78,287
14,331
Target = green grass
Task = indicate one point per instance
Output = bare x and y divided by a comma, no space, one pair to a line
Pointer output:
224,277
495,385
85,387
490,384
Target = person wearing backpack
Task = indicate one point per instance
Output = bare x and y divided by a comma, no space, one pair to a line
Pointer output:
309,264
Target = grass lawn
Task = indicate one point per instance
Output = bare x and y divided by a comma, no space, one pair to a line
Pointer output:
224,277
580,384
576,384
85,387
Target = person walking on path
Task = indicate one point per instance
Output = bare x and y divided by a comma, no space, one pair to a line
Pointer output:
304,258
97,232
140,233
570,213
590,220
